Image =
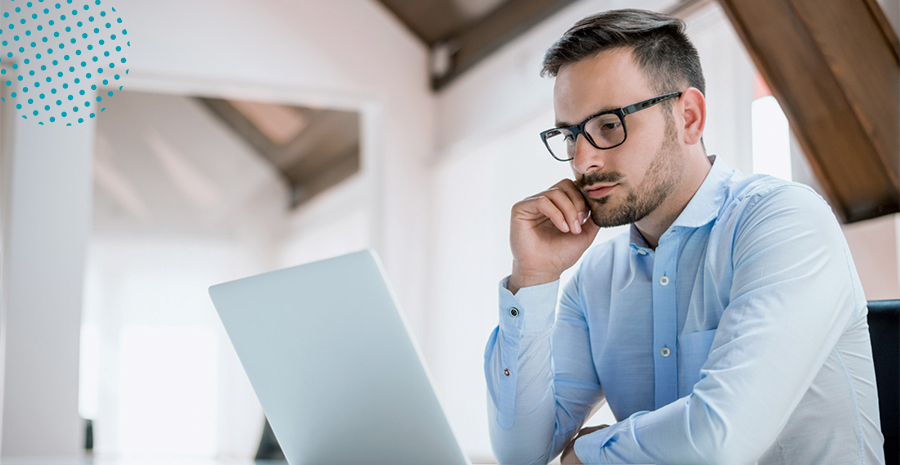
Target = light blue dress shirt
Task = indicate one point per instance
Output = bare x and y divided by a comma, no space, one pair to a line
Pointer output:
741,339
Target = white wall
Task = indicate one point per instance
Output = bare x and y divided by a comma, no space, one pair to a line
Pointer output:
169,381
180,203
46,190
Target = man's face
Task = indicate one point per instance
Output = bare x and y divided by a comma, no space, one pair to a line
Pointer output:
637,176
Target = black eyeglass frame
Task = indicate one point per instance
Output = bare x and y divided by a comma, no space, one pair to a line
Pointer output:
620,112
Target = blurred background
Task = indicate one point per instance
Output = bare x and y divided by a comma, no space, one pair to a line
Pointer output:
253,136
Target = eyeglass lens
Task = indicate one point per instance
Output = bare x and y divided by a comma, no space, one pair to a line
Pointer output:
605,130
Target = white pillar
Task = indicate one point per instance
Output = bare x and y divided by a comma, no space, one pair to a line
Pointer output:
46,216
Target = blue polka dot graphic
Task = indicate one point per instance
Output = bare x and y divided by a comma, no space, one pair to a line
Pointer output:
62,60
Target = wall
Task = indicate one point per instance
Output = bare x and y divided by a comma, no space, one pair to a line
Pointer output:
46,224
180,203
875,246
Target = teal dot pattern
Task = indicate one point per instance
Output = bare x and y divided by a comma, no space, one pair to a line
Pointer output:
60,52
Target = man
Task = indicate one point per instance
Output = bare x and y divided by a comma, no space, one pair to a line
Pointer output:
728,326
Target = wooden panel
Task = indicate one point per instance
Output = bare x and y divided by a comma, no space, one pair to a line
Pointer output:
834,69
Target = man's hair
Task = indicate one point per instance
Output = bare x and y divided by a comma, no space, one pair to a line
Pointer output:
660,47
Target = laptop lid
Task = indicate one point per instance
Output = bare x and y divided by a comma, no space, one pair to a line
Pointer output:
334,366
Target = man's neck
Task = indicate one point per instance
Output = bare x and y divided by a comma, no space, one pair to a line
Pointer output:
653,226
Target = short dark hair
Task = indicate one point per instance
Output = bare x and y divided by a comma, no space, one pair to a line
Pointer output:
661,48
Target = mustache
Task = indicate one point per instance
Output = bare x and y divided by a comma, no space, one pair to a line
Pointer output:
595,178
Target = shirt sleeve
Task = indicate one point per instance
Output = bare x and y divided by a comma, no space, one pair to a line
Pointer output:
792,297
541,380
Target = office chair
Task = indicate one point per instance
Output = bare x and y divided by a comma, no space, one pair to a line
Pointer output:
884,330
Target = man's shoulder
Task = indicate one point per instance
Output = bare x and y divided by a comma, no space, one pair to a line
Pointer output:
757,194
764,206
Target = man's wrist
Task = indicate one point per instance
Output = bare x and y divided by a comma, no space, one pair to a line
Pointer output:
518,280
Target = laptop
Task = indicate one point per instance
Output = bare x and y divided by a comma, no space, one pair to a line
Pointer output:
334,365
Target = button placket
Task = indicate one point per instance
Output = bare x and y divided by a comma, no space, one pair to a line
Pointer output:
665,321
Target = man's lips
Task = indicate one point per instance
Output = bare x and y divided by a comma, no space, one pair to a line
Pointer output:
596,192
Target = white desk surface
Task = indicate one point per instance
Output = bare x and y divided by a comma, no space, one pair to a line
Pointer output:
132,461
137,461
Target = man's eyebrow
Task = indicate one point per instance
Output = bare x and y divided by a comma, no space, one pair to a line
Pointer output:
561,124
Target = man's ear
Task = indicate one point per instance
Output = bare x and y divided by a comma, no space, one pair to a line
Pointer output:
693,106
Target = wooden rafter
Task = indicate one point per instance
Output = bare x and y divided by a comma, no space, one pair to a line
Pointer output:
834,67
471,45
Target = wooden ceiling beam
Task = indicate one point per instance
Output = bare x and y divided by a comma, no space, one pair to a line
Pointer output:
467,47
834,66
322,154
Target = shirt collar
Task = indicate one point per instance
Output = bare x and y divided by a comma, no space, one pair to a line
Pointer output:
703,207
706,203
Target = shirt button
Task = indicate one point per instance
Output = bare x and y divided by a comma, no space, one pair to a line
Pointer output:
642,252
506,372
665,352
514,312
664,280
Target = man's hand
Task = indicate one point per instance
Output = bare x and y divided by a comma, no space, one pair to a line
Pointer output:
548,234
568,454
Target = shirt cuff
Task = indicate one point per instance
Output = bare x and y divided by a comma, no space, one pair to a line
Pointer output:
588,448
531,310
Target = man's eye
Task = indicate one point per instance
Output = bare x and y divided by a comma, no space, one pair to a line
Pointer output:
610,126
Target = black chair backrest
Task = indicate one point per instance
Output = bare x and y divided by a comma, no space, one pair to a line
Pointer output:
884,330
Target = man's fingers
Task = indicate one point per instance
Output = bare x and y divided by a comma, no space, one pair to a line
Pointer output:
569,209
563,204
543,205
568,186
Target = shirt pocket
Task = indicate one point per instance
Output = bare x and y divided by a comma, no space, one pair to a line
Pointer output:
694,350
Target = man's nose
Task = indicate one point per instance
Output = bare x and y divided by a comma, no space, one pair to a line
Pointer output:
587,158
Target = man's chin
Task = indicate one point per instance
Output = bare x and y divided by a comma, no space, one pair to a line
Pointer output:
604,216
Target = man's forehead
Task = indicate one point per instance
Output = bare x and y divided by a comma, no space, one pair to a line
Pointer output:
608,80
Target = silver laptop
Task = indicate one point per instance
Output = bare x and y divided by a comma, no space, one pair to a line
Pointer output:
334,366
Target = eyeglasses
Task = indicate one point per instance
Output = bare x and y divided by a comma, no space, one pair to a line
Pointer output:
604,130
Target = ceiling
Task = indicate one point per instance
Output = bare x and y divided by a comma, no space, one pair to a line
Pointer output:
438,20
462,32
313,148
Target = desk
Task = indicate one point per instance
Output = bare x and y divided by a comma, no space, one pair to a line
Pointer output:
162,460
140,461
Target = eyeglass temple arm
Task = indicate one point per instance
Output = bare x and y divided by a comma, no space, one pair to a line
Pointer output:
648,103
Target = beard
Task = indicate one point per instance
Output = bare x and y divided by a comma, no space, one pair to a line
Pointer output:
660,180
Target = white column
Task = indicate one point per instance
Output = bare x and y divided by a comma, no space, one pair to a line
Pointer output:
46,219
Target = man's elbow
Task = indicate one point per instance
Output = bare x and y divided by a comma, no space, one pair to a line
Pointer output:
509,450
716,441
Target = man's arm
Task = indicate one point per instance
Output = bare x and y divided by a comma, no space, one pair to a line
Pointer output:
552,384
791,299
